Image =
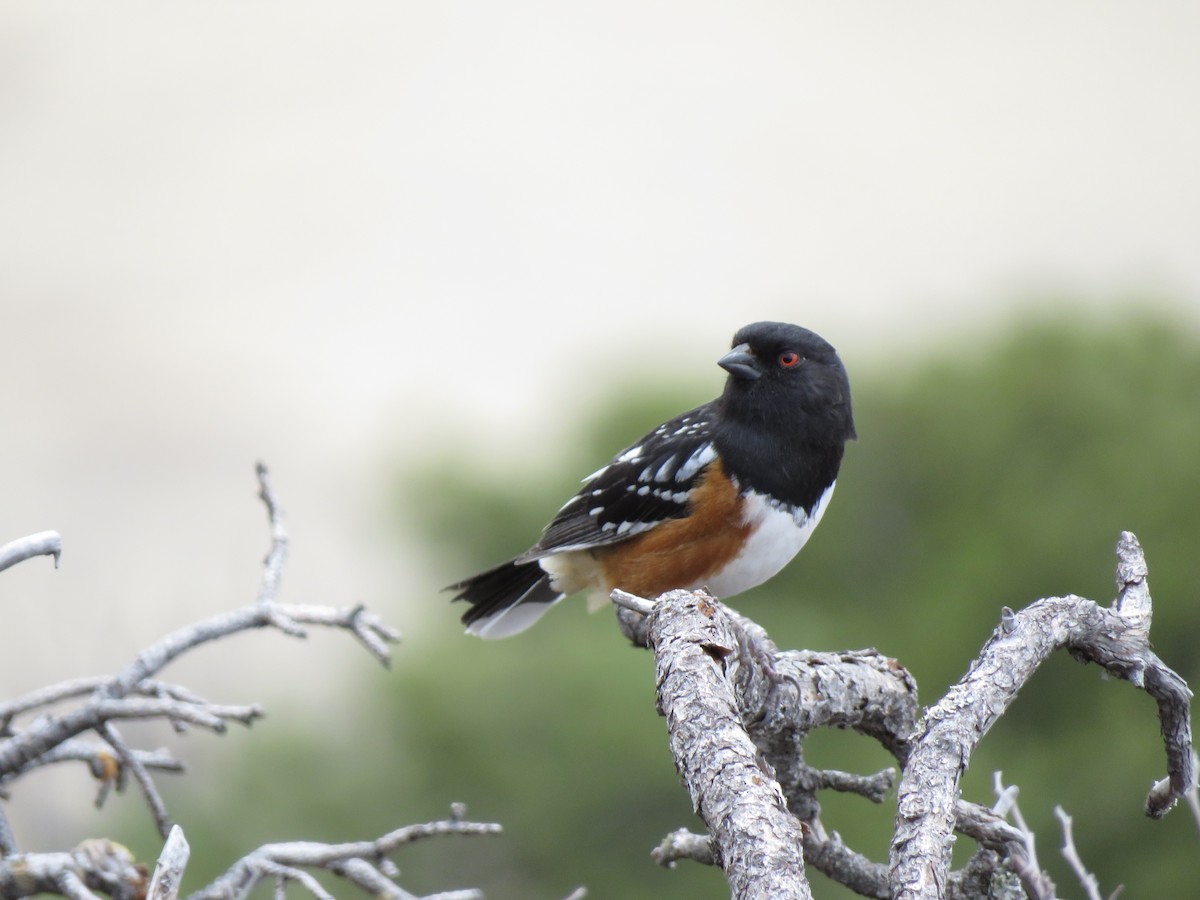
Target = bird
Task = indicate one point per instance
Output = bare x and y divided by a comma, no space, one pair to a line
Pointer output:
721,497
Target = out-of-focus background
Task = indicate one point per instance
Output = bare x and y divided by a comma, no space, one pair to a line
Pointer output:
433,262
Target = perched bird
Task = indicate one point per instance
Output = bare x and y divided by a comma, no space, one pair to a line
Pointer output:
720,497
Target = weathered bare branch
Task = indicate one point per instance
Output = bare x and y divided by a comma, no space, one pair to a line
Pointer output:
94,866
780,696
741,804
44,543
1193,795
8,843
1021,850
22,750
350,860
100,759
1070,853
102,867
277,555
633,603
168,873
684,844
135,694
130,762
48,696
984,825
1115,638
829,855
81,687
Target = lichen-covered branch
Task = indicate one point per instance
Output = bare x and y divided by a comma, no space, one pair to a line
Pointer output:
168,871
1116,638
780,697
95,866
758,840
709,657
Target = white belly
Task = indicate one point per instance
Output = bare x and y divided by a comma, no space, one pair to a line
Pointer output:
779,536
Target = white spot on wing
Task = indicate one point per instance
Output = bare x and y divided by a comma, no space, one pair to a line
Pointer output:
633,454
665,470
600,471
700,458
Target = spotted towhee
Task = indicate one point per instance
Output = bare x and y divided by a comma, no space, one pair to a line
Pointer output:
720,497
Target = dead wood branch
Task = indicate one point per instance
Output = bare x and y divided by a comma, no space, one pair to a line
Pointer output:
45,727
44,543
721,683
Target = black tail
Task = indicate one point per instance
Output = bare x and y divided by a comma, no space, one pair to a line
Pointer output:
506,599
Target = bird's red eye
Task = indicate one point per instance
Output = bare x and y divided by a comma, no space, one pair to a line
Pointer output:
789,359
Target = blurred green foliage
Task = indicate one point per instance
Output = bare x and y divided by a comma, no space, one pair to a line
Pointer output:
995,474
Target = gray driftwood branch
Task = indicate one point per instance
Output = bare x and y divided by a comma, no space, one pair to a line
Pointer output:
743,806
97,704
94,867
363,863
738,711
44,543
777,698
59,716
1115,637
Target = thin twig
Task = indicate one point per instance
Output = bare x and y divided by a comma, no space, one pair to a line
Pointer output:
829,855
1070,853
626,600
44,543
368,628
277,555
289,860
8,843
100,867
135,694
985,826
20,750
47,696
100,759
1193,795
129,760
872,787
684,844
1021,852
1006,799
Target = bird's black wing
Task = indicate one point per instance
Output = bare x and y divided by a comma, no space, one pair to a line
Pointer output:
647,483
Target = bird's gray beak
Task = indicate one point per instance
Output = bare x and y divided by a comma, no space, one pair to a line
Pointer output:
741,363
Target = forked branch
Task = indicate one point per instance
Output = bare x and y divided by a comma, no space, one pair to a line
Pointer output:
1115,637
732,699
59,715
